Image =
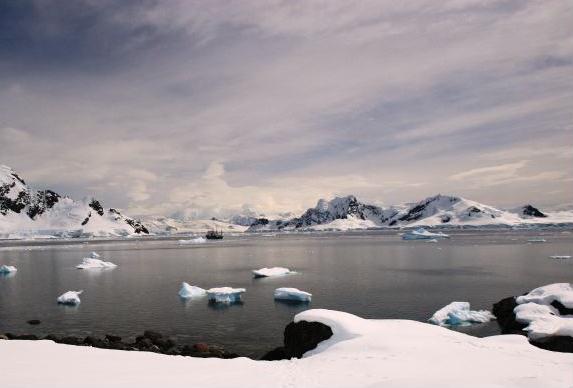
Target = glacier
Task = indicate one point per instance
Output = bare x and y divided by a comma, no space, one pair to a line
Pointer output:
188,291
459,313
292,294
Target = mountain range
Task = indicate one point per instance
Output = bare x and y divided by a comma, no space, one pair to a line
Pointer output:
25,212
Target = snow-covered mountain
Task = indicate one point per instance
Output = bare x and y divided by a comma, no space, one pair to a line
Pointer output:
172,225
343,213
25,212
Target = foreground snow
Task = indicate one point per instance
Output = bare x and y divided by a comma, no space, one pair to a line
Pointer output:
361,353
459,313
544,320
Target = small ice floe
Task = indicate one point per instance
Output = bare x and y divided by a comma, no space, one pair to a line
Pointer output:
545,311
268,272
225,294
560,257
459,313
432,240
198,240
70,298
292,294
536,240
423,234
188,291
93,262
7,269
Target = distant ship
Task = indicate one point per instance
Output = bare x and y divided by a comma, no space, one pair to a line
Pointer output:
214,235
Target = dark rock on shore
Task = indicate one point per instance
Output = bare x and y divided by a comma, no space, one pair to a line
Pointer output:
299,338
503,311
150,341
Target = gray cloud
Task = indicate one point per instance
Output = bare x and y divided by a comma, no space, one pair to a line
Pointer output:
137,102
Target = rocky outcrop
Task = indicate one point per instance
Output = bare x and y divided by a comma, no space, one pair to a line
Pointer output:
505,315
530,211
150,341
299,338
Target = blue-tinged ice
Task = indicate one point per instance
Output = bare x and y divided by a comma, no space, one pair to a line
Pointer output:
225,294
292,294
459,314
423,234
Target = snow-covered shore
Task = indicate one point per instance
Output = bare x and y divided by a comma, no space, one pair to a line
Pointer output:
360,353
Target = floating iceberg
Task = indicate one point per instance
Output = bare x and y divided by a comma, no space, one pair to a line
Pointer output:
292,294
545,310
274,271
198,240
537,240
423,234
225,294
7,269
459,313
93,262
560,257
71,298
189,291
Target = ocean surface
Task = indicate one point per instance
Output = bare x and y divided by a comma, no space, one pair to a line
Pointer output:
372,274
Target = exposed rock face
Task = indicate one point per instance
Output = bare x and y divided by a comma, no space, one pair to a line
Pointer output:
528,210
299,338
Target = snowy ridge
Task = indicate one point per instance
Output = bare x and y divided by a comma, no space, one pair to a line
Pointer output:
27,213
172,226
346,213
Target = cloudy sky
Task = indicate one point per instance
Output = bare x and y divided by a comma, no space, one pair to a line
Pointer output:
211,107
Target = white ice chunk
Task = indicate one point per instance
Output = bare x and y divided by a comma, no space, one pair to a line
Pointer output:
71,298
198,240
537,240
560,257
542,318
93,263
6,269
292,294
189,291
423,234
274,271
95,255
225,294
459,313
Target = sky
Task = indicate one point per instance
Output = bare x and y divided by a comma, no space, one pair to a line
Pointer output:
212,108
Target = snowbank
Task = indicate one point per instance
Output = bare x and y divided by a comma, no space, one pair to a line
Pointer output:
7,269
93,262
225,294
360,353
423,234
539,310
292,294
459,313
71,298
189,291
268,272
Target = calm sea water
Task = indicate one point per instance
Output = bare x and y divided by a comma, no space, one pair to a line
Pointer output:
372,274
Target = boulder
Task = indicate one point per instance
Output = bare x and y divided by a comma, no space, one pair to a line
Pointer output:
299,338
